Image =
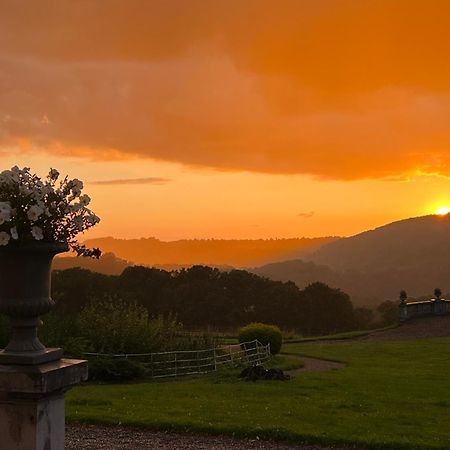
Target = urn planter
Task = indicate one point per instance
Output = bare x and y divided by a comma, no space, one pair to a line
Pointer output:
24,296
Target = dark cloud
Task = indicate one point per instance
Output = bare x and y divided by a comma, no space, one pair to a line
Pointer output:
150,180
336,89
306,215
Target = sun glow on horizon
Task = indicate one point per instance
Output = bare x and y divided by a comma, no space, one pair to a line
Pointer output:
443,210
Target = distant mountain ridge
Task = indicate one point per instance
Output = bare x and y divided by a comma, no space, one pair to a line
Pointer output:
215,252
399,245
373,266
411,254
109,264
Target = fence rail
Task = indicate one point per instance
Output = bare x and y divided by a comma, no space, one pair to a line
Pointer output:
191,362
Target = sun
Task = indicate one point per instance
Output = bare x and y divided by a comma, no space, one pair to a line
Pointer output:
443,210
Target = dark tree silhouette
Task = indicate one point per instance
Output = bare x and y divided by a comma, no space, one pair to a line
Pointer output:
403,296
203,297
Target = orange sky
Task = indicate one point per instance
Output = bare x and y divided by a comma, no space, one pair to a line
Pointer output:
233,118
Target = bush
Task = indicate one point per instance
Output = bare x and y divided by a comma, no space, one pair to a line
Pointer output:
266,334
115,326
63,330
109,369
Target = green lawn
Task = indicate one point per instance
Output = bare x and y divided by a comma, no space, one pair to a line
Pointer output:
337,336
390,396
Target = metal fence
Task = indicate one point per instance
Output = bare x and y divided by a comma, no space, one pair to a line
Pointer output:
191,362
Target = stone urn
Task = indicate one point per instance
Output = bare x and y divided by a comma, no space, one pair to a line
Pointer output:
24,296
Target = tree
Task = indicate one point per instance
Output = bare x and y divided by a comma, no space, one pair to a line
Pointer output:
403,296
363,318
326,310
389,312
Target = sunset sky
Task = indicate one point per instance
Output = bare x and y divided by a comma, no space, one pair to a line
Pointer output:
233,118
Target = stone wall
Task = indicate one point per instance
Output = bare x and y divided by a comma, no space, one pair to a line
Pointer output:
422,309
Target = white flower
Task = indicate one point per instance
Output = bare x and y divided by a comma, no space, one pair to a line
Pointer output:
46,189
5,206
5,212
53,174
15,173
27,200
26,190
34,212
14,233
85,200
37,233
4,238
76,187
76,207
5,177
78,221
93,219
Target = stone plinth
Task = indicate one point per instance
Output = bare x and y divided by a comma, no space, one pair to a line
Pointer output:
32,403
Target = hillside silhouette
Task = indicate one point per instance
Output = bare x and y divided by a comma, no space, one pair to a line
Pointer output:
373,266
406,244
110,264
107,264
213,252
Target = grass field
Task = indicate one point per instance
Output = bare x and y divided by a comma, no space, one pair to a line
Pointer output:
392,395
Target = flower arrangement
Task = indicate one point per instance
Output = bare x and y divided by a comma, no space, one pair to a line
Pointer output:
50,210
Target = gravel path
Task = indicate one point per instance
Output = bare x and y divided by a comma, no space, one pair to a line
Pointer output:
315,365
93,437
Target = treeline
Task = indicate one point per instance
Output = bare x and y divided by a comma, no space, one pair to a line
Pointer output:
203,297
365,288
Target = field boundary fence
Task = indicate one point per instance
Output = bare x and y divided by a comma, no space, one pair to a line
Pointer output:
193,362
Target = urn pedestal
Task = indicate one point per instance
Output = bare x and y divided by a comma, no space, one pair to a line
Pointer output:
32,403
33,379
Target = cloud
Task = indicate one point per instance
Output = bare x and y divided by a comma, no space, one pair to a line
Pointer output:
334,89
306,215
150,180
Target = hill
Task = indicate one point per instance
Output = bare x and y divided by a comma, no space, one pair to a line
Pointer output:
212,252
406,244
374,266
108,264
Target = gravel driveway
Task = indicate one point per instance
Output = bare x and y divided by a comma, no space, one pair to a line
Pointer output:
93,437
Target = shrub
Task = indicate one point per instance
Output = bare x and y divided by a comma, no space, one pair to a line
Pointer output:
266,334
115,326
109,369
62,330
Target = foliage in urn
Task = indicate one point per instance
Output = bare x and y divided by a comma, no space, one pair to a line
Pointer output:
49,210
